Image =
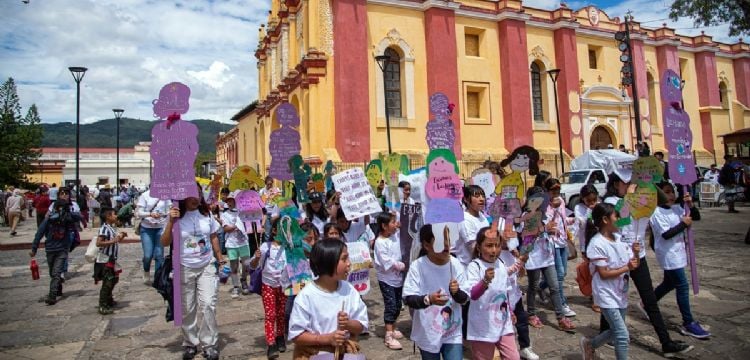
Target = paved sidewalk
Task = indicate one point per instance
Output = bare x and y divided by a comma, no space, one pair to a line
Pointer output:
73,329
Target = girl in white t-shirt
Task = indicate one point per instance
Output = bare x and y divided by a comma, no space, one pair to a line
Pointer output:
490,319
389,269
541,252
328,314
431,289
556,214
474,219
582,211
271,258
315,211
669,224
612,260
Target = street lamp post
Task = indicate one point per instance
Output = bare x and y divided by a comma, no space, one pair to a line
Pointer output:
78,73
382,61
118,115
553,74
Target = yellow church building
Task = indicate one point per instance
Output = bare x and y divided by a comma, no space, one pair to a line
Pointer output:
491,59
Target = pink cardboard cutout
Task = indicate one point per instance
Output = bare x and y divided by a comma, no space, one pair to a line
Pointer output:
443,188
284,142
251,207
440,132
173,99
677,133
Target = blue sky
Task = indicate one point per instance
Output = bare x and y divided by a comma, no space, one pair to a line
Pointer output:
133,47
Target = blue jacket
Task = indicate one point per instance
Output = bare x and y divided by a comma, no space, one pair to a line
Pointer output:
58,236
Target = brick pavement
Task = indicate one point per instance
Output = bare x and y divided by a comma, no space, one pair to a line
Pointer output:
72,329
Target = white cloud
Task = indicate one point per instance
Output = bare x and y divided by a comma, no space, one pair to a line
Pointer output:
131,48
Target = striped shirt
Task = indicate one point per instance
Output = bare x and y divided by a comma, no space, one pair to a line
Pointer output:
108,233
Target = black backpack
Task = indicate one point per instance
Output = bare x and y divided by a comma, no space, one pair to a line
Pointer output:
725,175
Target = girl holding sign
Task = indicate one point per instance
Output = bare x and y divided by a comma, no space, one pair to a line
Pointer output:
617,188
668,223
389,270
328,314
431,289
199,245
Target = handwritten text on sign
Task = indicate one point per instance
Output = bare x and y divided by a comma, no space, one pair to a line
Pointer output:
359,276
173,150
357,199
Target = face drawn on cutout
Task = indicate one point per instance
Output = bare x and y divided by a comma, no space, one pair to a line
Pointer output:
287,115
173,98
440,166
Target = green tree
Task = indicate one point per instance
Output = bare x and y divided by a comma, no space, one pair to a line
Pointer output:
715,12
20,137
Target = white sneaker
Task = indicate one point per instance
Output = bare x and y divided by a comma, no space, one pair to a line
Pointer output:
235,292
146,277
568,312
528,354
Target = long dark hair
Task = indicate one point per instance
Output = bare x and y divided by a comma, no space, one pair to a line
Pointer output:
529,151
425,237
587,190
600,212
383,218
322,213
203,207
612,185
470,191
541,177
325,255
481,236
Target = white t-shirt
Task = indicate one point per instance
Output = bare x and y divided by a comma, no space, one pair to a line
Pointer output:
560,237
582,214
387,254
669,252
435,325
490,315
316,311
196,231
236,238
515,291
356,229
273,265
467,236
629,233
609,293
542,254
147,205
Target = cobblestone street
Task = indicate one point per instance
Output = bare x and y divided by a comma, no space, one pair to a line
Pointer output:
73,329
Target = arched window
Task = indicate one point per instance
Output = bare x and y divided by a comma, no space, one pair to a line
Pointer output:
536,92
393,83
723,95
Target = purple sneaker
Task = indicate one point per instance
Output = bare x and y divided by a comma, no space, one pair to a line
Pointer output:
695,330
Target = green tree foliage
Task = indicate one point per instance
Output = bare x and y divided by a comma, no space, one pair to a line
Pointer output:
20,137
715,12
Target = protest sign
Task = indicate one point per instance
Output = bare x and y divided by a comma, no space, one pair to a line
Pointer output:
444,188
359,274
393,165
440,131
677,134
417,179
641,202
523,158
284,142
291,237
356,198
250,207
374,173
301,173
243,178
411,222
647,170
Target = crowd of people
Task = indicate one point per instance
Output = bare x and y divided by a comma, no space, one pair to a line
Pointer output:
463,294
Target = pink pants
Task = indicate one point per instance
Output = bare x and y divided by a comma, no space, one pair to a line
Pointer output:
481,350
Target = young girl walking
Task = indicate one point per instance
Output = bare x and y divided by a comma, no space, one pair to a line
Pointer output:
271,258
431,289
612,259
541,258
329,314
509,256
582,211
491,319
237,247
389,270
669,224
556,214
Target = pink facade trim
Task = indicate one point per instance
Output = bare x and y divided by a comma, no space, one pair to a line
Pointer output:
567,61
706,132
351,82
707,77
742,80
514,80
442,62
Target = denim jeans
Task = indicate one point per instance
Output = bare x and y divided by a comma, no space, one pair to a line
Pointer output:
561,266
550,274
618,332
288,312
391,302
152,249
56,261
642,280
522,325
448,351
676,279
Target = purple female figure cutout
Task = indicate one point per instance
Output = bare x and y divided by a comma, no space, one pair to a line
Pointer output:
284,142
440,132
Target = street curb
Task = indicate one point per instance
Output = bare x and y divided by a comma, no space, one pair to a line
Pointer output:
27,246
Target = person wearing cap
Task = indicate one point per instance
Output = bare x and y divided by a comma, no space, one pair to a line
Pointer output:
315,212
237,245
153,214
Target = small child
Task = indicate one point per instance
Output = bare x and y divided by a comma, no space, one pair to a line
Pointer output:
612,260
436,322
582,211
274,300
556,214
330,313
668,223
237,247
105,266
389,269
490,319
509,256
